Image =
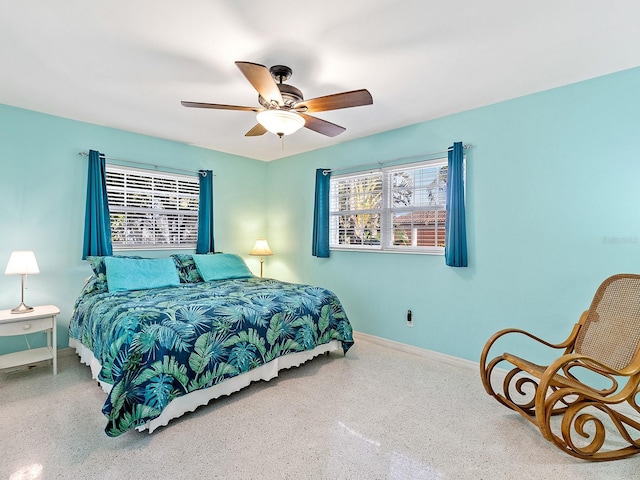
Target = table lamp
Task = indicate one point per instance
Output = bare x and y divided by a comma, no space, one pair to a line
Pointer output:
22,262
262,249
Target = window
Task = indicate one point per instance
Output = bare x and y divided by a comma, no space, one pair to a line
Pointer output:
401,209
152,210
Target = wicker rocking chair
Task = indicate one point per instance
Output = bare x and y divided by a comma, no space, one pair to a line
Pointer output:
586,401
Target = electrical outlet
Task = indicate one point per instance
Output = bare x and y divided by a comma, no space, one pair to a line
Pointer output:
409,318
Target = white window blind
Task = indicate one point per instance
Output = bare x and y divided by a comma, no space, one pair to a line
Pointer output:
356,210
152,210
401,208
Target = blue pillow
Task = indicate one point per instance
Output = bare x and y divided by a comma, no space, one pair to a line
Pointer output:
100,271
221,266
125,274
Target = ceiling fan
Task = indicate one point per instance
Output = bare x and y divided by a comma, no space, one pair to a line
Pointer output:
283,108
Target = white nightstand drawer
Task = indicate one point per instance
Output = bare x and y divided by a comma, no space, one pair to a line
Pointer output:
24,327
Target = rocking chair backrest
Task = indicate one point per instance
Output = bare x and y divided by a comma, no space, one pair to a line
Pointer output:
611,331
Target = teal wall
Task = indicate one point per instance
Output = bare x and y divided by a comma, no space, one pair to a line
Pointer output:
553,207
42,198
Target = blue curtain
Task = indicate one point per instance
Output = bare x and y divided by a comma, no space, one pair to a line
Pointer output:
455,251
320,246
97,223
205,242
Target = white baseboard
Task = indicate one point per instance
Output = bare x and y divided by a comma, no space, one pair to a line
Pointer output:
430,354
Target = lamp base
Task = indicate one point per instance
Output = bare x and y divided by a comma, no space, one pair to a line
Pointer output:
22,308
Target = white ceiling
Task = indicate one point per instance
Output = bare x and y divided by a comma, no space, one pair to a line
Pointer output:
128,64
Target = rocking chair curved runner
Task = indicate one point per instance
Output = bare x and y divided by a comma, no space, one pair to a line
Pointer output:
593,386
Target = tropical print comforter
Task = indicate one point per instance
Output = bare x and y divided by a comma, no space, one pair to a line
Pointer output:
155,345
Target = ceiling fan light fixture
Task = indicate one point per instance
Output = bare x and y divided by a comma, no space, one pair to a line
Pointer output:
280,122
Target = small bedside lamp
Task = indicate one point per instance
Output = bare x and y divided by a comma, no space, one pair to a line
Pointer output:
22,262
262,249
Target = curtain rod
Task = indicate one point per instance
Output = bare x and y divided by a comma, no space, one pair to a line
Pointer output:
133,162
399,159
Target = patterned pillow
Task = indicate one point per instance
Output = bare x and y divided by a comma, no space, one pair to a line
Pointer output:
100,271
187,270
90,286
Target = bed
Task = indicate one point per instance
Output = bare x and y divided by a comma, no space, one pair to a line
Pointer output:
159,351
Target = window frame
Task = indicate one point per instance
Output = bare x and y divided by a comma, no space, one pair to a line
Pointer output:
184,183
387,210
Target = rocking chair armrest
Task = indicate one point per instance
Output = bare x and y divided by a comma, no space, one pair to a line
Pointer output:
555,374
501,333
565,344
590,364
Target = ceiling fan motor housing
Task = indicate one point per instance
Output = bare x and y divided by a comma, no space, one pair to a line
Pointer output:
290,94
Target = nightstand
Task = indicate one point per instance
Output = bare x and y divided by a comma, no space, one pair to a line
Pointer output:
41,319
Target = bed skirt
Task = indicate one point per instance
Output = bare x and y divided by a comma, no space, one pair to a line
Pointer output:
189,402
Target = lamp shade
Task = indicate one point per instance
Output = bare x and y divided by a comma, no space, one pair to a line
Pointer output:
261,248
280,122
22,262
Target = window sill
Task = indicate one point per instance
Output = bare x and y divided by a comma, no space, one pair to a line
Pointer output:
141,248
403,252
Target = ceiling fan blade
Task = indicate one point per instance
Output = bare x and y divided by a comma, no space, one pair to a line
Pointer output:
354,98
256,131
322,126
219,106
261,79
